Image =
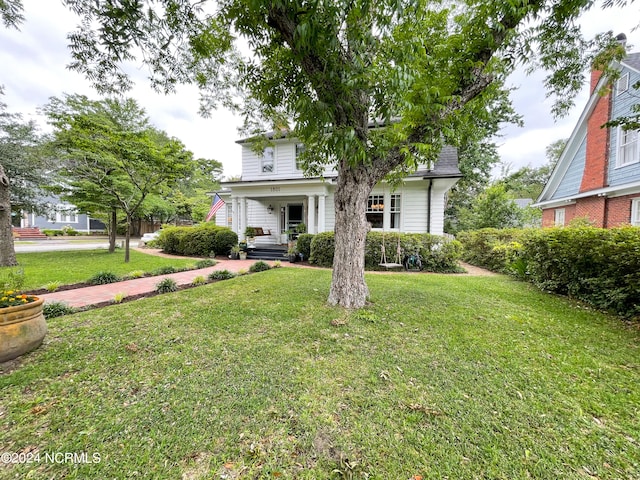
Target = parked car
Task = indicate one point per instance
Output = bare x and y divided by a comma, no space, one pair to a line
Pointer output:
147,237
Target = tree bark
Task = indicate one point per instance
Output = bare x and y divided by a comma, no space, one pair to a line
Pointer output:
348,286
113,230
126,238
7,250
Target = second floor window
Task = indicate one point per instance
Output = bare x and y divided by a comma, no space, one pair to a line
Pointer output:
559,217
628,151
299,152
266,164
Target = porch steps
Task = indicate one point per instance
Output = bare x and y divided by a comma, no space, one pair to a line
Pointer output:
28,234
267,253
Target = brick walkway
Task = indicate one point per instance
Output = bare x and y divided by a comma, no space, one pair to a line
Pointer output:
81,297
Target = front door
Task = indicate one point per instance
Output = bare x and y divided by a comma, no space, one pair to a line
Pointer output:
295,215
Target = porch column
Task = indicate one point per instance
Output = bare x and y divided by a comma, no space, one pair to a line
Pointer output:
321,213
235,224
311,214
243,217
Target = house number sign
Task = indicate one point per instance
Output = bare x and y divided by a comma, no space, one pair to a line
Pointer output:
275,189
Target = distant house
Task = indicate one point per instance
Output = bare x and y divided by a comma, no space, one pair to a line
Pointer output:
59,215
598,174
274,195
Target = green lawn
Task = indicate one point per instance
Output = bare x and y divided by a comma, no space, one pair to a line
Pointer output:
78,266
441,377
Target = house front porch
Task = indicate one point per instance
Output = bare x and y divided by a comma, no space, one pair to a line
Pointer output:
281,211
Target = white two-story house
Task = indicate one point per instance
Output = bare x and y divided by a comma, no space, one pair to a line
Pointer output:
274,195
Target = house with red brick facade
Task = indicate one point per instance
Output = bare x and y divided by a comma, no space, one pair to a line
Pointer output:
598,174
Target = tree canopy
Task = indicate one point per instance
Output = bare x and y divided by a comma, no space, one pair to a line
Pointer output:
426,71
111,156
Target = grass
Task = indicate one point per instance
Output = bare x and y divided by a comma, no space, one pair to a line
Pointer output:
66,267
255,377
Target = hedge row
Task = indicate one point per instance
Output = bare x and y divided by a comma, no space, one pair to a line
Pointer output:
202,240
598,266
438,254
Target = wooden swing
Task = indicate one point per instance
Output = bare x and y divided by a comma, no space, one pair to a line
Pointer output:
383,260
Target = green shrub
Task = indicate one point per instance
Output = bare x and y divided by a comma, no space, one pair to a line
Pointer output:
438,254
102,278
484,247
221,275
53,286
322,248
164,270
259,266
224,240
595,265
207,262
56,309
303,245
199,280
136,274
166,285
201,240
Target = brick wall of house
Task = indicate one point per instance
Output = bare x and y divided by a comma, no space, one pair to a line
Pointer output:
619,210
592,208
549,215
596,162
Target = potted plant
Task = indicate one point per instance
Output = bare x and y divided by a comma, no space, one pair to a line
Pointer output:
22,323
235,252
293,254
243,254
301,228
250,234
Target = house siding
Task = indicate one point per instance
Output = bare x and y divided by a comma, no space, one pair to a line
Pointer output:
570,184
622,106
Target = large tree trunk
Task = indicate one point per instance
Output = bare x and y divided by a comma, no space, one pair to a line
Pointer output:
7,251
127,238
348,286
113,230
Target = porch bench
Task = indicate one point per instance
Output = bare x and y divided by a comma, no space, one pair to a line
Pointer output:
261,233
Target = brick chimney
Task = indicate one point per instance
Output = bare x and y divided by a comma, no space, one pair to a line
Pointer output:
597,157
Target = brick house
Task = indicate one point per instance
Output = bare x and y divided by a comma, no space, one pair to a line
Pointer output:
598,174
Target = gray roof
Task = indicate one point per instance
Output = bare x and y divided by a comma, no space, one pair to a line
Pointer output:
445,166
633,61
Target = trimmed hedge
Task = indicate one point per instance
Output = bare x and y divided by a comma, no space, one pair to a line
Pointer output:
201,240
438,254
303,244
595,265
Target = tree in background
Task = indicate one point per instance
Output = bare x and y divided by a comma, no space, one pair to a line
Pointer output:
425,71
22,171
109,151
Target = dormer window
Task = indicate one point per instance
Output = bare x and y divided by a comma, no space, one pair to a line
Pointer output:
266,163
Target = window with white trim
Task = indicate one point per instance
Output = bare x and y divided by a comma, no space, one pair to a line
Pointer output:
628,151
622,84
559,217
635,212
394,211
229,214
266,162
375,211
299,151
66,216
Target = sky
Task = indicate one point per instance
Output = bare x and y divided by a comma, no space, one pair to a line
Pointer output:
33,68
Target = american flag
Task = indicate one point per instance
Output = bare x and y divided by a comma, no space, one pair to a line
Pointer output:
216,205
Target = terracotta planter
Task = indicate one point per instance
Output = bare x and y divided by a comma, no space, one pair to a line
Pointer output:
22,329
